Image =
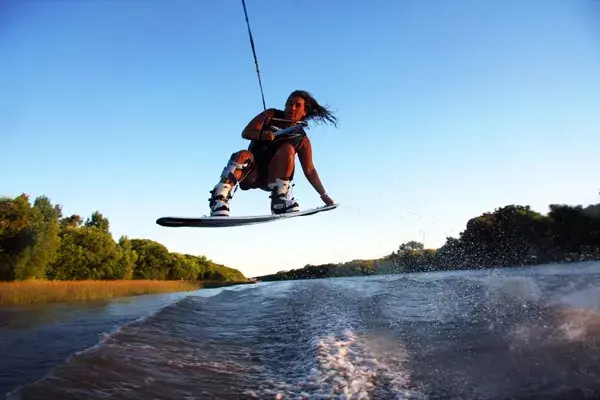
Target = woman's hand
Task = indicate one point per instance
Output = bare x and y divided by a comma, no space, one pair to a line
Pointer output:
327,200
267,136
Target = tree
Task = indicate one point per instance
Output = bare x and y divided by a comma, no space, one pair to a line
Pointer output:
38,242
72,221
88,253
153,259
45,228
129,259
97,220
410,246
16,238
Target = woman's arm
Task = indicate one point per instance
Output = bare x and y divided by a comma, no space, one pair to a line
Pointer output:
310,172
252,130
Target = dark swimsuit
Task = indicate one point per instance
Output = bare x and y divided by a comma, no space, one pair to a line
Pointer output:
263,150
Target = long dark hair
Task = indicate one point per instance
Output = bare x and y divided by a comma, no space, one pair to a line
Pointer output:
314,111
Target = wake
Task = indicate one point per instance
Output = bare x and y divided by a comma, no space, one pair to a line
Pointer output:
351,366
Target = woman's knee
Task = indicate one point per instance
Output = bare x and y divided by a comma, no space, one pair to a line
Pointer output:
242,156
286,150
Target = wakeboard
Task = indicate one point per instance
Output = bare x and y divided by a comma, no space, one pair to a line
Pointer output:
222,222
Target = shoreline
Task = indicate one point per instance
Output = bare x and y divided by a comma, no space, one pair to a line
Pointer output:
29,292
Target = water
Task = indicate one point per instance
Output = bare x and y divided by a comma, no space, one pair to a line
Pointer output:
35,339
519,333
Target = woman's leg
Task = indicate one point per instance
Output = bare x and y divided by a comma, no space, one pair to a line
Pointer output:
281,164
239,169
281,169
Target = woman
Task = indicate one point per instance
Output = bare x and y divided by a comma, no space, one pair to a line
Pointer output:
268,164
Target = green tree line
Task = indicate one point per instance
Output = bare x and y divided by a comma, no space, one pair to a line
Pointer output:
37,241
510,236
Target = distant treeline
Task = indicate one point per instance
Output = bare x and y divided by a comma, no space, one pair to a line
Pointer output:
36,241
510,236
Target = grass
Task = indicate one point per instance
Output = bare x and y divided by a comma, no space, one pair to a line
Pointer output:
42,291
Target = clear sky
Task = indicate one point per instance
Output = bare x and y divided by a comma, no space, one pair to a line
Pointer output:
447,109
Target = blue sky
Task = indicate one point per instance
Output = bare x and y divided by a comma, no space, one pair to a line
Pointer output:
447,110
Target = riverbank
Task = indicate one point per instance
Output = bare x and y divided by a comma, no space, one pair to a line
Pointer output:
44,291
510,236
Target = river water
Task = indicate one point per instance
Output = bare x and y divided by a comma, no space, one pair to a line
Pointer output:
495,334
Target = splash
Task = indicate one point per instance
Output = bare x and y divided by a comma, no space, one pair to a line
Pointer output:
346,367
